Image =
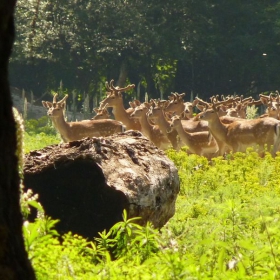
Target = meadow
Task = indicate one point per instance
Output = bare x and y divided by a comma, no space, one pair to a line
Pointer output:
226,225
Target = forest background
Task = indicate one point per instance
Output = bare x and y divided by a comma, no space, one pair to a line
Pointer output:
201,47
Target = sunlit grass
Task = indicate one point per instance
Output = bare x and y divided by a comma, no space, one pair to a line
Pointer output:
227,209
39,141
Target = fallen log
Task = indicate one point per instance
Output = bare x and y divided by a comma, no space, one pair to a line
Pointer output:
87,184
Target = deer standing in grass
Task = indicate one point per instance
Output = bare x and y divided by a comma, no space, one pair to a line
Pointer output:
201,143
71,131
152,132
240,135
114,100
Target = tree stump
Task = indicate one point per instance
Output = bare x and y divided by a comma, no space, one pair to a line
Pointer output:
87,184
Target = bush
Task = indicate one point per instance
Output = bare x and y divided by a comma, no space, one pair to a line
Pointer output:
43,124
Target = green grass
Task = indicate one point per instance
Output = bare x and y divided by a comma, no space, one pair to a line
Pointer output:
227,211
39,134
39,141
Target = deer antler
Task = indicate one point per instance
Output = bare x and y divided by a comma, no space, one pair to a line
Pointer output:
246,100
263,96
61,101
107,86
173,96
227,101
118,89
202,102
54,98
181,96
255,102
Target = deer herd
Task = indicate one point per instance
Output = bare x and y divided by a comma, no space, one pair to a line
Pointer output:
220,126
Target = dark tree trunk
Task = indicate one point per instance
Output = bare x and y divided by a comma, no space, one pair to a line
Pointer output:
14,263
123,75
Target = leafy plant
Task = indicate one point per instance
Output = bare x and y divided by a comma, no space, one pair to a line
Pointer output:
225,226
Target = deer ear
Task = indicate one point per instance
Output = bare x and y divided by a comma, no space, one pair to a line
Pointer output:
63,105
95,110
147,105
239,106
264,100
47,104
200,107
223,108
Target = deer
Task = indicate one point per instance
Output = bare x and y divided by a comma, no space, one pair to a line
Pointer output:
272,103
152,132
230,106
133,104
101,113
226,114
72,131
114,100
177,105
200,143
156,114
239,135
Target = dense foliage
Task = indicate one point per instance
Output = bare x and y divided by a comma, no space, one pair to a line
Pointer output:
226,226
207,47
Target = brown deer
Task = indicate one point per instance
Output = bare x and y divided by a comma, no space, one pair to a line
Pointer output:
156,114
272,102
200,143
231,106
239,135
101,113
114,100
152,132
71,131
181,108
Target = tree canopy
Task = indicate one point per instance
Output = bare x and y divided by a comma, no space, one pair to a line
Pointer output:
204,47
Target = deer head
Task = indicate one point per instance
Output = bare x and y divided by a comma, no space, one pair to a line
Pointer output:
101,113
175,121
272,104
55,109
114,94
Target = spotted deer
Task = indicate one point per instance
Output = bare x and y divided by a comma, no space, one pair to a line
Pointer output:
201,143
114,100
240,135
71,131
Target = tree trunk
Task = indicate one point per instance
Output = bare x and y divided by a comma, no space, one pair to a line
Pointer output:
87,184
123,75
14,263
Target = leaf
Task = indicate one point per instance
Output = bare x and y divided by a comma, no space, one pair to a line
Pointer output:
36,205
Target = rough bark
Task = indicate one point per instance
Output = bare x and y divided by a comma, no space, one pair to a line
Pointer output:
122,75
14,263
87,183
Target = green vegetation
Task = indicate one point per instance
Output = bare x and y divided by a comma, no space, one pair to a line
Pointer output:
226,226
39,133
205,47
